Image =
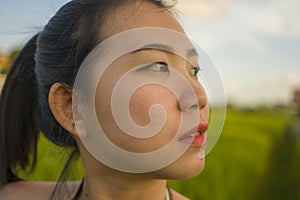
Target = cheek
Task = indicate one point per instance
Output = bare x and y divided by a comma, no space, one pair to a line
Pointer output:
139,108
187,166
147,96
139,105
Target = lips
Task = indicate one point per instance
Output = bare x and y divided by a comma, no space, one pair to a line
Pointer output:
196,136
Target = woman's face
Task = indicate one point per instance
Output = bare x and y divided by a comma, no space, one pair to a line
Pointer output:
159,64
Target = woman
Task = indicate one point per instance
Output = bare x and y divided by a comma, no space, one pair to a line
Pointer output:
39,95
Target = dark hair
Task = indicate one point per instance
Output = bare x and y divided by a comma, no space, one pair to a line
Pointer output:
53,55
18,115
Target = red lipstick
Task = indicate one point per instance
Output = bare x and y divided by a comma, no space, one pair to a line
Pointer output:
196,136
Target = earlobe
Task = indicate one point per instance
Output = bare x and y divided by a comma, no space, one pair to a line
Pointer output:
60,102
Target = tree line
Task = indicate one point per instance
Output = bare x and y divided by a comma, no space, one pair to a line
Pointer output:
7,59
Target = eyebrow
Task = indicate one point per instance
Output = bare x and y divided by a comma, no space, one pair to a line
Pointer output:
159,47
192,52
165,48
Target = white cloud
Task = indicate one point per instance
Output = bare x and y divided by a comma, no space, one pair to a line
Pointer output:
218,22
273,18
226,27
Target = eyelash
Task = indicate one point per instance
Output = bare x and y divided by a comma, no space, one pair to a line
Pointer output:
194,71
160,65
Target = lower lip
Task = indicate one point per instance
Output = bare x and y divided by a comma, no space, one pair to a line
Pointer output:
197,141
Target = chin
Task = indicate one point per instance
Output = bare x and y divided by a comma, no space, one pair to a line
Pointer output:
181,170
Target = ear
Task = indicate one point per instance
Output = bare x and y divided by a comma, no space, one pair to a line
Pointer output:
60,102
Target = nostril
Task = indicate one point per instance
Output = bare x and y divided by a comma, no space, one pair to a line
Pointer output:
188,101
202,107
193,101
194,107
202,100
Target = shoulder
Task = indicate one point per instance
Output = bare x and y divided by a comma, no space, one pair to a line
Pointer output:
32,190
177,196
26,190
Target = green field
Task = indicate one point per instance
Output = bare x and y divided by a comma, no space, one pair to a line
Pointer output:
257,157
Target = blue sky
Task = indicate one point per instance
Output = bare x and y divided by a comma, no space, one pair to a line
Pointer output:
254,44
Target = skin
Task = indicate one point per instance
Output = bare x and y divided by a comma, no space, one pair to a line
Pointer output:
102,182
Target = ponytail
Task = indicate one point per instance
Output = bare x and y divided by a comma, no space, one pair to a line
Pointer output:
19,116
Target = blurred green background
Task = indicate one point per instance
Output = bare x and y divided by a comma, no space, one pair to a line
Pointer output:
255,46
256,157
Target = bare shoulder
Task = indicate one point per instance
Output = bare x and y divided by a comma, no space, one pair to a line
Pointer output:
177,196
32,190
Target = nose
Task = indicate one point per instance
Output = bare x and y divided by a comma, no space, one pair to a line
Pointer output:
193,100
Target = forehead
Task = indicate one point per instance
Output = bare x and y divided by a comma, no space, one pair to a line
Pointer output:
140,14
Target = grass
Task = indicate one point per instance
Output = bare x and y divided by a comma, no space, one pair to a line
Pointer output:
256,157
243,161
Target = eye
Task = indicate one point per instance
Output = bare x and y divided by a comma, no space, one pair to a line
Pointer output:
194,71
157,67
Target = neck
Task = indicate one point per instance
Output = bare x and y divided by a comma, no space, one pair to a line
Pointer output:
125,186
104,183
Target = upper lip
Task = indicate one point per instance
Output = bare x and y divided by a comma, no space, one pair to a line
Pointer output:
201,128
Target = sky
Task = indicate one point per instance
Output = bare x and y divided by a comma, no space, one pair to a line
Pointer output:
255,44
